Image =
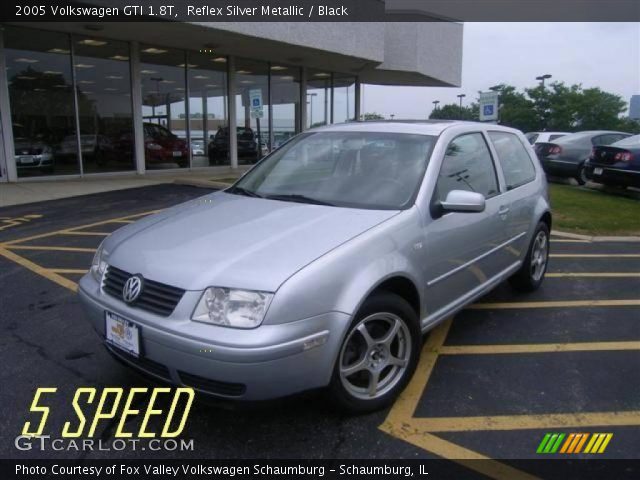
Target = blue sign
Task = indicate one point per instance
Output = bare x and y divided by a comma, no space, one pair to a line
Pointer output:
488,110
256,103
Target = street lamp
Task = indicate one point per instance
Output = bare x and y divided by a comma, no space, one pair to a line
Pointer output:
392,115
435,104
542,78
461,96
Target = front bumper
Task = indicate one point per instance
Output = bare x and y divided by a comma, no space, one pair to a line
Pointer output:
267,362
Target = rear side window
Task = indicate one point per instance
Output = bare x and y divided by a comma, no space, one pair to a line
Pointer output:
554,137
467,165
516,164
532,137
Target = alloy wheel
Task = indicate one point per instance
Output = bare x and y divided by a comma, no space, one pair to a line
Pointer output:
539,256
375,356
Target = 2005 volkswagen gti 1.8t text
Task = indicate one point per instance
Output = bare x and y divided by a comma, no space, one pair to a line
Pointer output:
325,263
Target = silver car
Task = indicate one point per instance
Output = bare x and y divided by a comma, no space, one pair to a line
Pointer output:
325,263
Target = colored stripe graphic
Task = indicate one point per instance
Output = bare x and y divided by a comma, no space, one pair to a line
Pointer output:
574,443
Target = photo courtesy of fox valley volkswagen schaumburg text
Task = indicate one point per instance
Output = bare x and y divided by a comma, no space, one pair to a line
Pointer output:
361,238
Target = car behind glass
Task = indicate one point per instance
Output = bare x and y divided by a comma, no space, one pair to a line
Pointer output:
323,265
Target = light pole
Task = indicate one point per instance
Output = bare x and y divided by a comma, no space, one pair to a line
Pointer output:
461,96
542,78
392,115
435,104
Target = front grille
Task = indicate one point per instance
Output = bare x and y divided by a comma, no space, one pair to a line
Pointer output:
212,386
141,363
155,297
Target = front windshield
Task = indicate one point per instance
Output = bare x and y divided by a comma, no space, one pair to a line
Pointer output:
373,170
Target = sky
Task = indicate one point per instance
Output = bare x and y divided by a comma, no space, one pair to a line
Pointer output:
605,55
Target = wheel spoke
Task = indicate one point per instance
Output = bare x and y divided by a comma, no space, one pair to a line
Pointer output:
391,334
353,368
365,334
374,377
398,362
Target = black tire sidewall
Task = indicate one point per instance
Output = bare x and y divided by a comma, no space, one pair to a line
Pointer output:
534,284
380,302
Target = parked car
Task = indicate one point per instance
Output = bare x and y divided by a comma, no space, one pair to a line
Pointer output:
160,146
219,146
325,264
616,164
33,154
544,137
197,147
96,148
566,156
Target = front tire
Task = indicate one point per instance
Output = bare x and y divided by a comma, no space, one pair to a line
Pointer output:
531,273
378,355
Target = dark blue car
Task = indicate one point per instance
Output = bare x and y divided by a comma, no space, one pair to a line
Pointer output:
616,164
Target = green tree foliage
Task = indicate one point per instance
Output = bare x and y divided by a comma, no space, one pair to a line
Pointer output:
556,107
372,116
452,111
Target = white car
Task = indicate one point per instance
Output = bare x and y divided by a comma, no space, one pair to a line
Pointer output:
544,137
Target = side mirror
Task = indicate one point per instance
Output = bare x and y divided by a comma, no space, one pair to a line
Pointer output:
463,201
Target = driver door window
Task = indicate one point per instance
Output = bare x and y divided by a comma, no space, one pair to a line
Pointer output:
467,165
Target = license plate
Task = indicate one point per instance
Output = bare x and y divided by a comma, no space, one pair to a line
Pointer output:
122,333
177,154
597,171
25,160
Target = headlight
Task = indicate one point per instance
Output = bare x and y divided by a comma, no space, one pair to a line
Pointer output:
232,308
99,264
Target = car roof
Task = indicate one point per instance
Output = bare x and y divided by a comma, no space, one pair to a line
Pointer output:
420,127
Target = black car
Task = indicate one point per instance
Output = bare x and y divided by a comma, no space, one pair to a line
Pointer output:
218,149
566,156
617,164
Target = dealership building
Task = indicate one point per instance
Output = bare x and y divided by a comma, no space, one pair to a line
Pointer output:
80,100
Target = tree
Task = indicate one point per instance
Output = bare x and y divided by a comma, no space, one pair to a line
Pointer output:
516,110
452,111
372,116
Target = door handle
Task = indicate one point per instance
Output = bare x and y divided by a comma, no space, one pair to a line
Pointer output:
503,211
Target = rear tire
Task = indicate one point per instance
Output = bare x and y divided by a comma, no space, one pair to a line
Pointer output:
581,178
378,355
531,273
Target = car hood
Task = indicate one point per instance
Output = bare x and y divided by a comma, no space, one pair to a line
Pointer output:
234,241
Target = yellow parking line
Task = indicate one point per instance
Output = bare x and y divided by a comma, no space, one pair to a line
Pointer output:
45,248
595,255
565,240
399,422
594,274
538,348
82,232
34,267
528,422
560,304
80,227
68,270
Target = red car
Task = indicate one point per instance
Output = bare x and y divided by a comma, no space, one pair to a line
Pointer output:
160,146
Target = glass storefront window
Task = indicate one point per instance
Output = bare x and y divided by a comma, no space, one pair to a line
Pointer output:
104,105
318,97
252,79
42,104
344,98
208,110
162,73
285,98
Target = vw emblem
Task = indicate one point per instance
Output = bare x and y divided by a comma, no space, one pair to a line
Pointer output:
132,288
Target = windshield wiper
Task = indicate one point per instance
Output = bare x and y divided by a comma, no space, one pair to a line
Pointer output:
299,198
244,191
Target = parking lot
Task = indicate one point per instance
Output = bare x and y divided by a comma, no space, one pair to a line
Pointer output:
490,384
